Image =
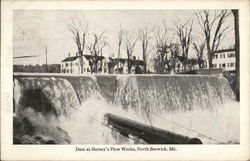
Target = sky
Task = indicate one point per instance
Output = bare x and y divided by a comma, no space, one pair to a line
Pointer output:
33,30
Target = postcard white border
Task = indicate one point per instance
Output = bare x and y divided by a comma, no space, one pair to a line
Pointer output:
67,152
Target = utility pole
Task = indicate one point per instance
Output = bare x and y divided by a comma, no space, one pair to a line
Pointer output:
46,59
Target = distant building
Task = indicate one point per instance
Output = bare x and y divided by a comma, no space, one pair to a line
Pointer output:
225,60
179,67
102,63
137,66
105,65
72,65
121,66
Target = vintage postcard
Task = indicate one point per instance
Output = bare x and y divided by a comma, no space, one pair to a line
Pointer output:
125,80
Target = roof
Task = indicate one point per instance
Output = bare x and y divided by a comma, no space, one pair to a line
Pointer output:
70,59
137,62
115,61
112,62
92,56
86,56
224,50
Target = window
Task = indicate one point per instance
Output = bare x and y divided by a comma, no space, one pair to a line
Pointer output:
231,64
84,69
230,55
220,55
66,64
228,64
215,65
88,70
219,65
223,55
223,65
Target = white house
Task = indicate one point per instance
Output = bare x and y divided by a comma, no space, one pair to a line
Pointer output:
225,60
72,65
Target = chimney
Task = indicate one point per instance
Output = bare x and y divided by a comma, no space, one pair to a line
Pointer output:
134,57
69,55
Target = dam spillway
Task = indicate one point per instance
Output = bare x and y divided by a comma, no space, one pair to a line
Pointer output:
181,103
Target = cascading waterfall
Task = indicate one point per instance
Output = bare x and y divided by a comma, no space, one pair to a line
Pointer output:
172,93
178,103
48,95
84,87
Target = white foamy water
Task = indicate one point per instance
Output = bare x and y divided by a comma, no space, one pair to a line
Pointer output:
198,107
217,126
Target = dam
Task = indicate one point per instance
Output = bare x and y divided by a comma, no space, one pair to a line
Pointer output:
68,109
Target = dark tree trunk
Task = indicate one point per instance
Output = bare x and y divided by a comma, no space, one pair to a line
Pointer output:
210,61
144,60
237,52
81,61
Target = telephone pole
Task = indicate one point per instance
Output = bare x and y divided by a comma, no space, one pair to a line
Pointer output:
46,67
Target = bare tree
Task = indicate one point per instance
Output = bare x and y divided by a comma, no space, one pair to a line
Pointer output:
96,49
184,32
213,30
120,38
161,38
199,49
143,35
79,31
130,42
172,56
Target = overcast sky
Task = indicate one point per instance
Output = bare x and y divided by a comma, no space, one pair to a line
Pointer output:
35,29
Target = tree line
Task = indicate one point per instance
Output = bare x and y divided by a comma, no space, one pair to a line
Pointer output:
159,41
50,68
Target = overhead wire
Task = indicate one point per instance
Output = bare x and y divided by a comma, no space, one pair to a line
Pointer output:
210,138
102,124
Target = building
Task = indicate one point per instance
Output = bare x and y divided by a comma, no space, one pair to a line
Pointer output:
225,60
72,65
104,65
121,66
137,66
101,63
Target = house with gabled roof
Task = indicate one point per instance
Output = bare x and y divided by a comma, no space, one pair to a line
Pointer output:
122,66
104,65
72,65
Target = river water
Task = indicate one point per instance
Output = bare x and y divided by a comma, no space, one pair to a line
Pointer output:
196,106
